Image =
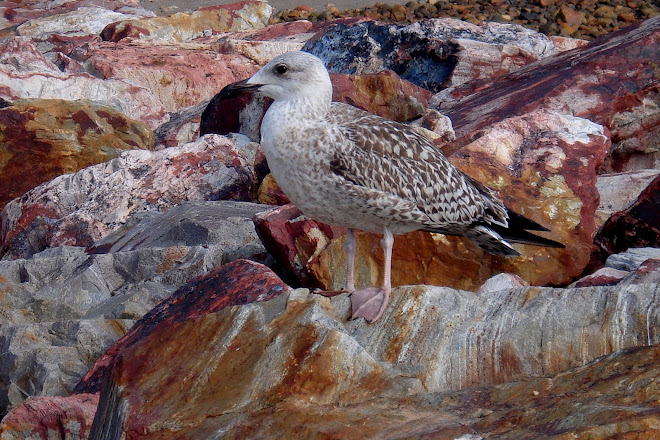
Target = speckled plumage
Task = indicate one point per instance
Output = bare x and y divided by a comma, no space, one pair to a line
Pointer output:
346,167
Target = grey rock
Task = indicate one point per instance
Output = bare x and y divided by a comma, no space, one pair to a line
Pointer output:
632,258
49,358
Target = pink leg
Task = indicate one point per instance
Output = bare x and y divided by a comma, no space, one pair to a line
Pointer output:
371,303
351,246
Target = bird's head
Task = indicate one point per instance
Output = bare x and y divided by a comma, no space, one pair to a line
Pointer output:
292,75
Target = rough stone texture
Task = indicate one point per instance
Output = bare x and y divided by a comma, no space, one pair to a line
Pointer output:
620,190
53,137
204,22
611,81
316,359
636,226
64,287
49,358
382,93
65,418
79,209
20,12
179,75
632,259
543,165
294,240
434,54
605,276
78,22
502,281
238,282
26,73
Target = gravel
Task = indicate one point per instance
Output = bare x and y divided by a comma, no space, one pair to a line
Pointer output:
569,18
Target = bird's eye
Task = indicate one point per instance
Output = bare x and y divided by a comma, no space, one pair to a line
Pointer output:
281,69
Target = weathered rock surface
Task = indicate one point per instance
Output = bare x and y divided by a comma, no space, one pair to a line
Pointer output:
434,54
51,417
104,294
26,73
543,165
178,75
638,225
86,20
204,22
619,191
586,82
431,340
79,209
53,137
238,282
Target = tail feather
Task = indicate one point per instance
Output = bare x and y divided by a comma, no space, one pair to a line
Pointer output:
496,239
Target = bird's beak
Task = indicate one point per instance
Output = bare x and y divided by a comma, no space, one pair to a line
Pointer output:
235,89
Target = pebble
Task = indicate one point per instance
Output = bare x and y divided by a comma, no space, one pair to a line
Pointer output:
569,18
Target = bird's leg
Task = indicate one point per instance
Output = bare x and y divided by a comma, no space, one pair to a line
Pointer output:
371,303
351,245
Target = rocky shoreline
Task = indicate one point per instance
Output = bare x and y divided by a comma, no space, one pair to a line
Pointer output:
156,283
576,19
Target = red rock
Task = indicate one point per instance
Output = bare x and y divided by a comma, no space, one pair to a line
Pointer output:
605,276
648,272
182,26
384,94
44,138
51,417
620,190
593,88
79,209
235,283
294,240
26,73
179,76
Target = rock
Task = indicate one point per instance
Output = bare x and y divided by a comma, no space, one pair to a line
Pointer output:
502,281
224,223
632,259
619,191
50,137
67,286
80,21
183,127
297,354
294,240
26,73
180,75
382,93
18,13
647,272
438,53
591,88
234,283
270,193
636,226
49,358
183,26
79,209
53,417
605,276
543,165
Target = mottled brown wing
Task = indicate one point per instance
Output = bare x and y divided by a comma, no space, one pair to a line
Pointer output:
391,157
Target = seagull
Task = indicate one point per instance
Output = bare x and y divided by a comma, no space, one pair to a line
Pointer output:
346,167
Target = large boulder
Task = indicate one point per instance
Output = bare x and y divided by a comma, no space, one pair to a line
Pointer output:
81,208
298,352
51,137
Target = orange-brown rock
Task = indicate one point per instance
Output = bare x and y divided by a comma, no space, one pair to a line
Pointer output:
43,138
294,367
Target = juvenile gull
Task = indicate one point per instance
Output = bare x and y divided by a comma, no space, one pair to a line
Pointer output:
346,167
